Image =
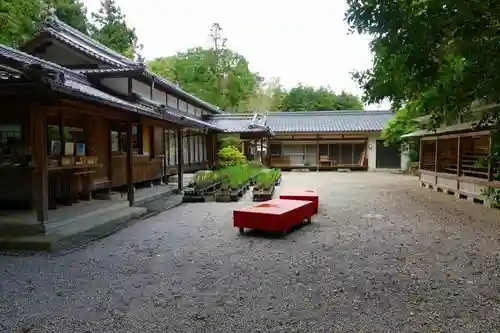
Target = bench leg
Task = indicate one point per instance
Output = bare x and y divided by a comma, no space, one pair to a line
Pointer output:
242,230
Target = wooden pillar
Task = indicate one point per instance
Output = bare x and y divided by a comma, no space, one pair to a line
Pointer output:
166,152
180,164
110,152
62,148
39,153
188,142
459,151
436,160
490,151
317,152
421,153
130,166
262,159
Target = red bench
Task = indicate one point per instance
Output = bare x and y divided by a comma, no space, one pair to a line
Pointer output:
275,215
302,194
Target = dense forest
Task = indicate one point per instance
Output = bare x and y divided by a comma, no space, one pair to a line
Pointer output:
216,74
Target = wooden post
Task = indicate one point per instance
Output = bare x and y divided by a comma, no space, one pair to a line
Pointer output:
62,139
180,164
262,150
110,152
459,151
436,162
317,153
421,153
130,165
166,151
188,142
39,153
490,151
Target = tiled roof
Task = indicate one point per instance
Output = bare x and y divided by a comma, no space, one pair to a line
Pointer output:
77,84
238,123
82,43
66,34
328,121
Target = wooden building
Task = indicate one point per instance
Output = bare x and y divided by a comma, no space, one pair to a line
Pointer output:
78,117
454,159
251,129
329,140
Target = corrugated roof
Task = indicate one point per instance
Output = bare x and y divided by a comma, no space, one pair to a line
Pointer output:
328,121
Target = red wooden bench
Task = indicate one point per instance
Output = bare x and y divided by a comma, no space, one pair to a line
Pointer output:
275,215
302,194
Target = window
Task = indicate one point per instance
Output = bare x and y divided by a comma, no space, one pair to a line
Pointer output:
197,112
200,148
172,101
191,109
119,138
172,145
185,154
157,141
204,148
11,147
183,106
275,149
192,148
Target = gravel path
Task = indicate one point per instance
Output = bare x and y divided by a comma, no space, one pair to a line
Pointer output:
383,255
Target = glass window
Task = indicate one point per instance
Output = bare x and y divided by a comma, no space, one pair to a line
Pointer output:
204,148
192,147
185,155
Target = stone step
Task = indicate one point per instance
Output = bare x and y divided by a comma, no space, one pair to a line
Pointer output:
76,231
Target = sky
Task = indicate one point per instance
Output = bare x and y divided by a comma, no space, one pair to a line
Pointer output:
297,41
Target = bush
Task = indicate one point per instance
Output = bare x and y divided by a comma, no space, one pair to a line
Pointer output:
229,156
255,164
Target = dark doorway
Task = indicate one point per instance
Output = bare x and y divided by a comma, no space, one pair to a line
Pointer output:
388,157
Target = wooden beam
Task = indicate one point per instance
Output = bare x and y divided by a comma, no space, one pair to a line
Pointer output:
151,90
39,153
129,87
110,152
459,152
130,166
180,164
490,151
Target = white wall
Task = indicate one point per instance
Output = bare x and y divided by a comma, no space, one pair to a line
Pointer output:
141,89
159,97
372,152
120,85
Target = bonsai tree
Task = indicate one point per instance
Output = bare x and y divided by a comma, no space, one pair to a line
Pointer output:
229,156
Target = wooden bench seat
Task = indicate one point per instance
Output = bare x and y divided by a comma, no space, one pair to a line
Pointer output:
277,215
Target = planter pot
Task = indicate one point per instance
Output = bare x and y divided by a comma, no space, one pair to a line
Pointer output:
263,194
278,181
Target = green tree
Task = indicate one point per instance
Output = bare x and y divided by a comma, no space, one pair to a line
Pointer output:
218,75
306,98
267,97
71,12
112,29
441,55
19,19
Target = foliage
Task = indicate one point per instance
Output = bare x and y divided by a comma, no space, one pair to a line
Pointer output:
267,97
229,140
204,178
441,55
230,156
217,74
236,176
112,30
19,19
305,98
401,124
255,164
267,179
71,12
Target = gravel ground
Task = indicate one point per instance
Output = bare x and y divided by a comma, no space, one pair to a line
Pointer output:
382,255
